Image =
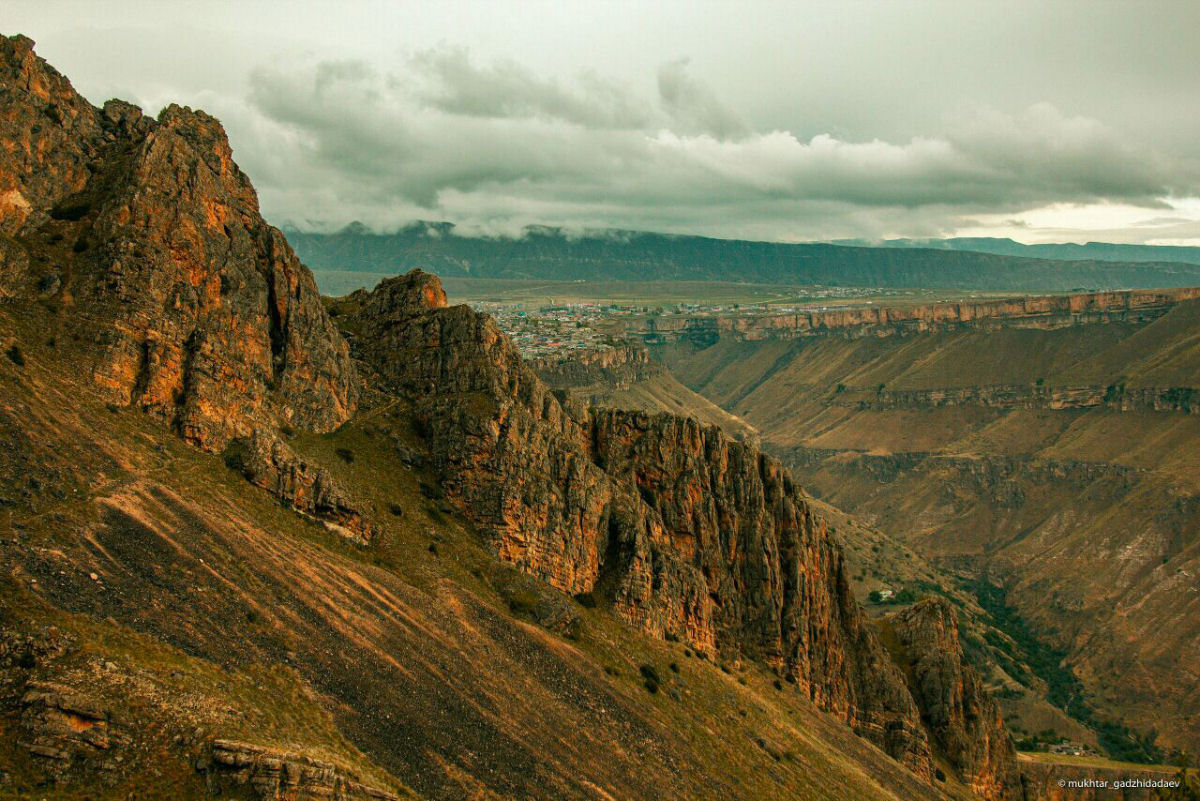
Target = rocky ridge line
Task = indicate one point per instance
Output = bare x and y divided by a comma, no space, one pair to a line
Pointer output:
147,239
686,533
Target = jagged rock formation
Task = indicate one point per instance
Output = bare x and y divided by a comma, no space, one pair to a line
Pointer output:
148,243
688,533
147,232
963,720
276,775
266,461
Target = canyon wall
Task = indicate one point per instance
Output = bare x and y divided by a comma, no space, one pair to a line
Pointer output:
1041,312
685,532
613,368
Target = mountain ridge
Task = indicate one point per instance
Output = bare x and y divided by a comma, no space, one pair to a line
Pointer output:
549,253
252,537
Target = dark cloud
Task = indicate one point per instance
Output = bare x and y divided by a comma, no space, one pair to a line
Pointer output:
783,120
497,147
450,82
693,106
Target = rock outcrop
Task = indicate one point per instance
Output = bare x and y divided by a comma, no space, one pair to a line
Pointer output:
686,533
615,368
268,462
276,775
147,232
65,730
961,717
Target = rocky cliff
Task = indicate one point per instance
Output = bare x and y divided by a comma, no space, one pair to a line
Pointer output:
147,239
686,533
133,247
1115,396
1045,312
963,720
613,368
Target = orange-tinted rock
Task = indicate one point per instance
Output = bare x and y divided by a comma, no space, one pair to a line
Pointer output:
684,532
1043,312
151,239
962,718
266,461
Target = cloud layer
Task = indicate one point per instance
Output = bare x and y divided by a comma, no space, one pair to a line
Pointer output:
496,146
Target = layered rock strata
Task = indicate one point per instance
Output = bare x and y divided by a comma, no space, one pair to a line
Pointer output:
277,775
1044,312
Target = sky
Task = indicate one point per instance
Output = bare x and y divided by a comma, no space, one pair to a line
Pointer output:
1046,121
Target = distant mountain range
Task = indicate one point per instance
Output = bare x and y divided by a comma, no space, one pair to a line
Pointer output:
1071,251
547,253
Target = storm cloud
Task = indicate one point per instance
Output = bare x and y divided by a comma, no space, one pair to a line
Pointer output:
777,121
496,146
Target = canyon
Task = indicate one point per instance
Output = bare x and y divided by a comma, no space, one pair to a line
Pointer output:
279,546
1042,449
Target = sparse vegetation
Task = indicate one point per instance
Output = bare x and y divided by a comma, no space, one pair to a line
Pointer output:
650,676
1064,689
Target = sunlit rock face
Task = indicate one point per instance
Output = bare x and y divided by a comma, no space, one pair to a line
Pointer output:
148,235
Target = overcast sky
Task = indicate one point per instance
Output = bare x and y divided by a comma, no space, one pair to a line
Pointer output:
1048,120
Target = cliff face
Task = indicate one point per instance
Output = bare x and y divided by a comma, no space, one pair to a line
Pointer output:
1116,397
1058,464
962,718
1036,312
686,533
613,368
146,231
140,241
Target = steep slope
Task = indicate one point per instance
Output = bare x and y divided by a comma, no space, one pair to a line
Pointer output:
154,591
1058,464
731,561
640,256
962,717
318,609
